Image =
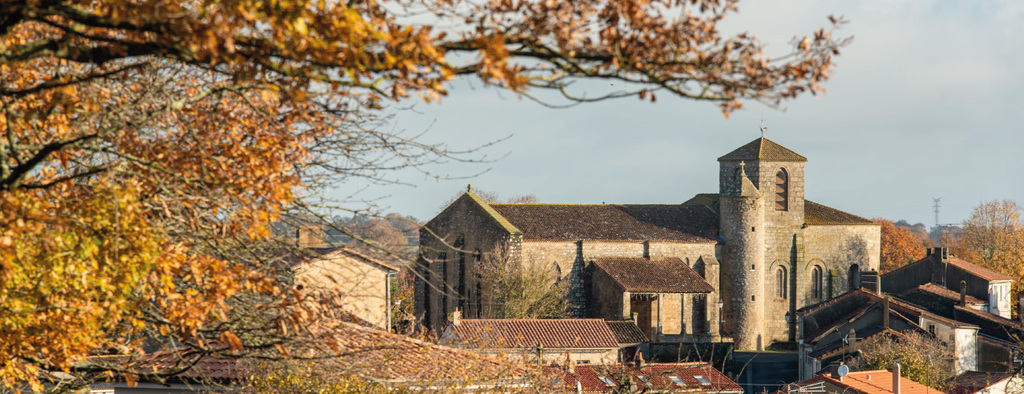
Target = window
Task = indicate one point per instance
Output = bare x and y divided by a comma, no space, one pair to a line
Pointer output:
607,381
479,283
460,256
443,288
781,191
676,380
643,379
931,329
425,274
781,282
817,288
702,380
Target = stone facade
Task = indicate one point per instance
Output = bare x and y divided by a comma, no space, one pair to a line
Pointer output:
776,252
351,282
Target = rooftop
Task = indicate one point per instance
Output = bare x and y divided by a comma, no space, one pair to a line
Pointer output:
689,224
976,270
528,333
626,332
673,377
663,276
762,149
868,382
817,214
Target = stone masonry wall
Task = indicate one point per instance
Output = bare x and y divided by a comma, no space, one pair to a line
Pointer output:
466,219
743,270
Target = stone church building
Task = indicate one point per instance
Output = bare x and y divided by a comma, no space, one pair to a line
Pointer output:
735,264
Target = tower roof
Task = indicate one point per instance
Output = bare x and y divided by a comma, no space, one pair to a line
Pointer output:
762,149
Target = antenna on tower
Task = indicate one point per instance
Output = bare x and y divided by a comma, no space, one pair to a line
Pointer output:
936,206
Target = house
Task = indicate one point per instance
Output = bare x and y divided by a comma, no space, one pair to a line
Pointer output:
940,268
764,250
343,279
999,345
826,329
860,382
987,383
648,290
694,377
547,340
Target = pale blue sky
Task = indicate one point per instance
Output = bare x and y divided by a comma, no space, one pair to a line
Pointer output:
926,102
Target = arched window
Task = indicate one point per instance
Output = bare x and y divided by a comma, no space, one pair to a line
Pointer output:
854,277
460,242
781,190
478,270
817,282
443,286
781,282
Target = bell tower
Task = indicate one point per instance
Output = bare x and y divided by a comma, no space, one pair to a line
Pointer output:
761,213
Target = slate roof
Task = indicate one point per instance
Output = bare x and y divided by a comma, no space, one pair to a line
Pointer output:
814,213
817,214
976,270
626,332
527,333
657,375
762,149
670,275
692,224
831,314
921,295
868,382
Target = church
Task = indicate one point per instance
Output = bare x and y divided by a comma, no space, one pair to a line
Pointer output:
736,264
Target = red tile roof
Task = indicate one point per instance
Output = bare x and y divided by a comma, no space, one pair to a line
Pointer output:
691,224
527,333
664,276
867,382
298,256
817,214
657,376
374,354
762,149
979,271
182,364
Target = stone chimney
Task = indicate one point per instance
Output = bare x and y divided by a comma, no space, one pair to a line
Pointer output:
309,236
896,377
570,366
940,253
457,317
853,340
639,359
963,293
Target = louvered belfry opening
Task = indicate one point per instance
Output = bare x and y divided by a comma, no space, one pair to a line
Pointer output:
781,190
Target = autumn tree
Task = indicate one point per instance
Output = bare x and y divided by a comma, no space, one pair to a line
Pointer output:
522,289
147,146
899,246
923,359
993,237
